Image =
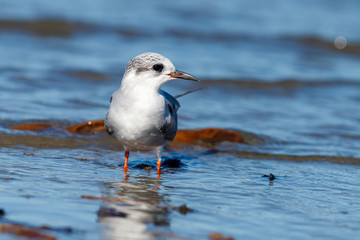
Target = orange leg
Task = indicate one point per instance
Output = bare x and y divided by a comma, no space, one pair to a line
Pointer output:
126,162
158,165
158,153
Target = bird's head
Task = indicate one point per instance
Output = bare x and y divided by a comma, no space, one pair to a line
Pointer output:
152,70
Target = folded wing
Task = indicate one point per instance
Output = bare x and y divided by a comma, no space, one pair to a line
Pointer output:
169,129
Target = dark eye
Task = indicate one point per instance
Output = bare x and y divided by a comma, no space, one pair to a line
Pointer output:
158,67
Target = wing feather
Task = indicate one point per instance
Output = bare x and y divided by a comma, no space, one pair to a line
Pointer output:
107,125
169,129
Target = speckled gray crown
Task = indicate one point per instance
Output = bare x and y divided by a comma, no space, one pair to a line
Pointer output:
145,60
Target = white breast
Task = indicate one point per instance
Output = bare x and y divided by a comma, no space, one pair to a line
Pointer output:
136,117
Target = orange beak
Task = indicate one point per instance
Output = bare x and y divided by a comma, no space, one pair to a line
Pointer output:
182,75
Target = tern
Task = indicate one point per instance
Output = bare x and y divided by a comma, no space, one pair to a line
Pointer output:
141,115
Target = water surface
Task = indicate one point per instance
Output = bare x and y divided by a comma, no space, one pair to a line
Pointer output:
271,72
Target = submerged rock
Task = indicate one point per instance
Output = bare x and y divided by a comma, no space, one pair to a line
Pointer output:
110,212
89,126
183,209
172,163
208,135
24,231
219,236
271,176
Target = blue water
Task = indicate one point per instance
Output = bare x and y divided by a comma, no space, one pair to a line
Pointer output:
271,71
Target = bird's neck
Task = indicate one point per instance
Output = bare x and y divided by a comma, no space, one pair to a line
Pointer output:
139,90
138,87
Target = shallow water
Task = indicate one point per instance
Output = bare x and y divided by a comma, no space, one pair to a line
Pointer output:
271,72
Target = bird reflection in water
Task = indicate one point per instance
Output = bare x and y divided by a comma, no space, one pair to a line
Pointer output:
139,205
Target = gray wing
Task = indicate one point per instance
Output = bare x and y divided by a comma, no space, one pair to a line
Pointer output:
169,129
107,125
106,122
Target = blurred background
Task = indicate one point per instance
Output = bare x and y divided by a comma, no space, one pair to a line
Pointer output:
286,73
